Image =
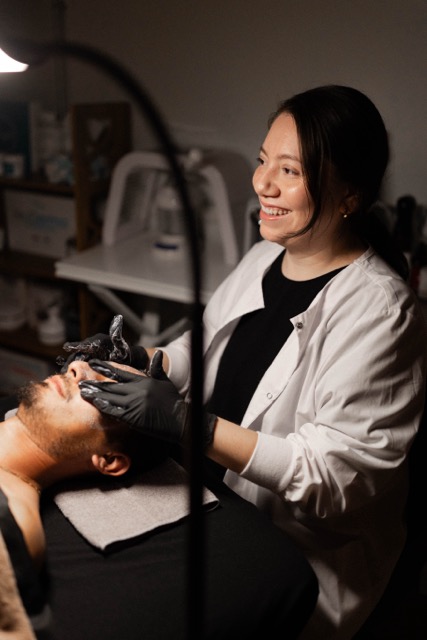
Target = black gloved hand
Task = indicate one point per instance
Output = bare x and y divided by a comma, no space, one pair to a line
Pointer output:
106,347
151,405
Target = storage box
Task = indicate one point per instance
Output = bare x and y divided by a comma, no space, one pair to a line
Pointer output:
17,370
40,224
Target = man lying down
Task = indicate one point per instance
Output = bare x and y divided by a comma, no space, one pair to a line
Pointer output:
54,435
58,583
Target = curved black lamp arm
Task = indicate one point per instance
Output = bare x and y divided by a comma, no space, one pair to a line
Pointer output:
37,53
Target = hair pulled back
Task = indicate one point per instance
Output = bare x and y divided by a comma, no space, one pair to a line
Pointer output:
340,128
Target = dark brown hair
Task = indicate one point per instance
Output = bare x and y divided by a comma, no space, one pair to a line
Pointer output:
144,452
340,128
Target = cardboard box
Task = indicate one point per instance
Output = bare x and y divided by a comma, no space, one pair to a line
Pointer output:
40,224
17,369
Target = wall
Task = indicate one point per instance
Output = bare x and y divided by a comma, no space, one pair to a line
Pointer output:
216,68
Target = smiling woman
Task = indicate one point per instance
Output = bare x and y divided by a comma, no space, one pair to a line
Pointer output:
310,360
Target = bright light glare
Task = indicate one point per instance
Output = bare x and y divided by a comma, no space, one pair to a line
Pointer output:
9,65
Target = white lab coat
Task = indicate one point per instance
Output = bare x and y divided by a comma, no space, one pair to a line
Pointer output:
335,414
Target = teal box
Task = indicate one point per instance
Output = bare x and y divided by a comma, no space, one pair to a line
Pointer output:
40,224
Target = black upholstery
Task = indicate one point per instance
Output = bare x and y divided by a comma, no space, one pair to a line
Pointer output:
255,579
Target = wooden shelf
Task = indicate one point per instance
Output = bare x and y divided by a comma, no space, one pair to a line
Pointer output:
36,184
24,265
41,185
94,156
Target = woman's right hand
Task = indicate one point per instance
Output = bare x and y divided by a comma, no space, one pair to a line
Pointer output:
150,404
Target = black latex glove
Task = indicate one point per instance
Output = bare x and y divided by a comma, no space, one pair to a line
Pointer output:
106,347
151,405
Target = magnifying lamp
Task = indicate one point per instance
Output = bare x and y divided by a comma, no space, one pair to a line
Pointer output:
10,65
22,54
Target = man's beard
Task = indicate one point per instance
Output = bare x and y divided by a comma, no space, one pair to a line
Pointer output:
28,395
44,428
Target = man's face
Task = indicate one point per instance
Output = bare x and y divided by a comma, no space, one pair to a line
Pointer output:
57,418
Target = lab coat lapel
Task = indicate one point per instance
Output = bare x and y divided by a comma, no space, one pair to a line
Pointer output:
277,376
246,290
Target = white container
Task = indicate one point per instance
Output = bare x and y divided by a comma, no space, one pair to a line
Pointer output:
170,238
50,136
13,295
52,330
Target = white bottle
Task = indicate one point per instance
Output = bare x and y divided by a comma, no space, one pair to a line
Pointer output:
52,330
170,224
51,137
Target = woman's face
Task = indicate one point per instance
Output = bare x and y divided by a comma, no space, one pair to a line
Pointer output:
279,183
286,205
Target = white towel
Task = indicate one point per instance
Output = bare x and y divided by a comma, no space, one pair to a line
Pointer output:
108,512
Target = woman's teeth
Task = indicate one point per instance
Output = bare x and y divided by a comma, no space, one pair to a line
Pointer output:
273,211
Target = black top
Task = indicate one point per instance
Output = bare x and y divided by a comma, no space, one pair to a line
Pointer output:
27,579
258,338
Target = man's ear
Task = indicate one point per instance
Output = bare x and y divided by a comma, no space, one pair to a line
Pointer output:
111,464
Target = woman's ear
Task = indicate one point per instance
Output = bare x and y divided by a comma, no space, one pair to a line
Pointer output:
111,464
350,202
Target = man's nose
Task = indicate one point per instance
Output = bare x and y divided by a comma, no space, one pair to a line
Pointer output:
80,370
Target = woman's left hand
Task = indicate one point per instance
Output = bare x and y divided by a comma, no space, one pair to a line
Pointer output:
106,347
151,405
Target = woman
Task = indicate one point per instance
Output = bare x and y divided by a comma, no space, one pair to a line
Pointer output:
315,359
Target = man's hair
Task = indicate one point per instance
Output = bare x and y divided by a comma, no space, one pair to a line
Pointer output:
145,452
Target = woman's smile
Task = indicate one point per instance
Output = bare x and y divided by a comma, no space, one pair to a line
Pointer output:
267,212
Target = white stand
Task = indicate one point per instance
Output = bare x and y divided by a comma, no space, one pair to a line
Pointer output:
127,261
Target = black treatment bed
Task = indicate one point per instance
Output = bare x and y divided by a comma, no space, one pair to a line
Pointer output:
256,579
